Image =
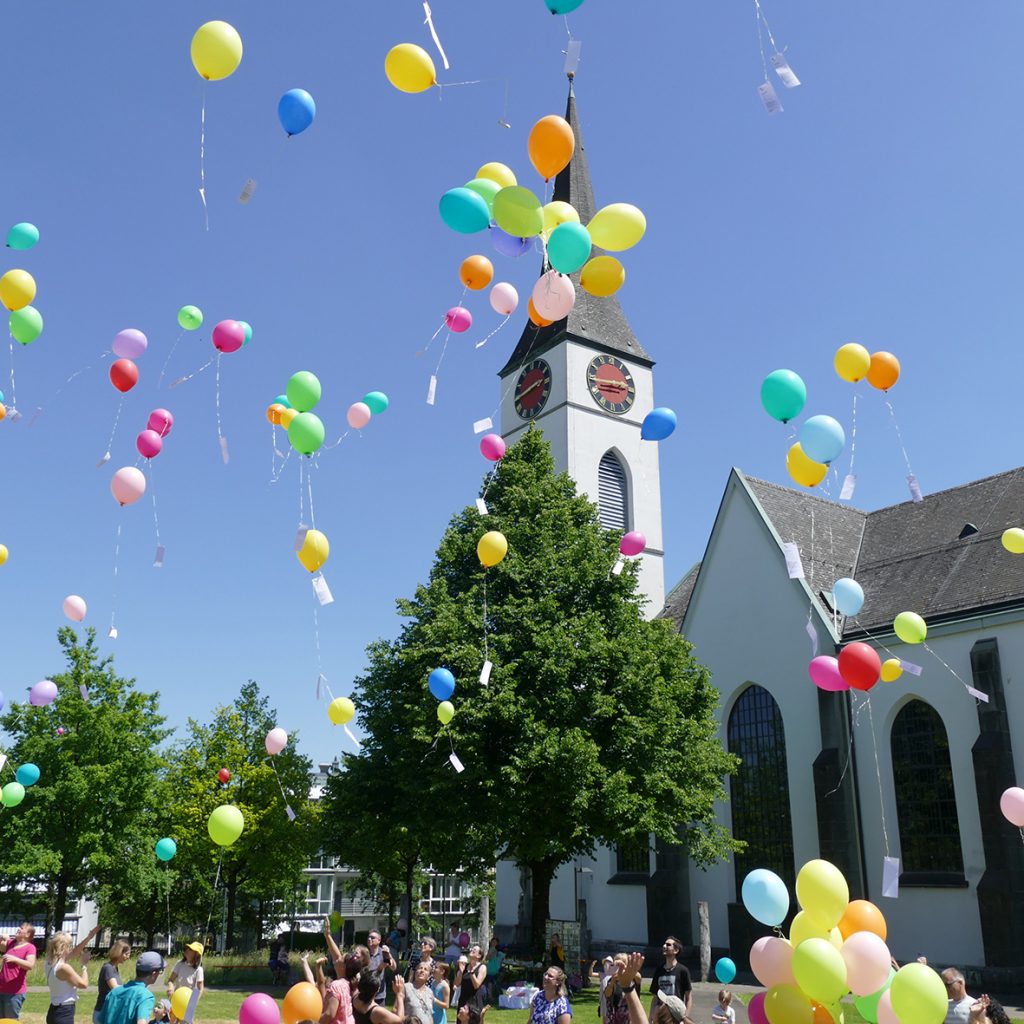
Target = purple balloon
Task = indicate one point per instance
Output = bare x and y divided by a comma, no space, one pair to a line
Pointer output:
129,344
43,693
508,245
824,671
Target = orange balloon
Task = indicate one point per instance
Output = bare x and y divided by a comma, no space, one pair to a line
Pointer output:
862,916
3,411
476,272
535,316
550,145
884,370
302,1002
821,1014
274,411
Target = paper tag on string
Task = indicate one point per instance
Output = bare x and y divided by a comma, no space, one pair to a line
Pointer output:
158,558
351,736
433,34
909,666
112,633
481,506
891,877
103,461
485,673
813,634
322,591
35,415
247,190
300,536
3,761
456,763
977,694
618,567
83,692
224,449
848,485
431,389
481,425
768,97
572,57
915,487
13,415
319,680
794,566
291,817
784,71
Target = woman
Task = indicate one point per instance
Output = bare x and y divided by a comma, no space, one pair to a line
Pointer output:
627,973
63,980
556,954
987,1011
188,973
109,979
551,1004
495,960
441,992
365,1010
470,980
338,1001
616,1011
419,999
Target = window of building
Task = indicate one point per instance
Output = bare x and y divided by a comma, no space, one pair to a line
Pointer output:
925,800
612,496
987,674
633,857
760,789
445,894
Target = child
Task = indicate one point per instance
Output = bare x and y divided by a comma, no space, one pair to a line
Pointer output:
724,1011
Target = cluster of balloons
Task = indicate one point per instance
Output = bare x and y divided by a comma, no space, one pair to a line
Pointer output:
296,110
231,335
127,345
216,50
293,411
442,685
476,272
18,289
75,607
836,946
853,363
150,441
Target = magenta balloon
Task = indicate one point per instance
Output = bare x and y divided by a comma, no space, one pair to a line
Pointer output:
492,447
149,444
554,295
128,485
458,319
276,741
74,607
228,336
504,298
771,960
129,344
632,543
358,415
824,670
161,421
755,1009
259,1008
42,693
1011,803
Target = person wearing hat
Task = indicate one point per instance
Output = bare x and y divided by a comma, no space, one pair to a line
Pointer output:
133,1003
188,973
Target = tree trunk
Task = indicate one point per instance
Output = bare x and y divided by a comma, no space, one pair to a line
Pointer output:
410,867
541,873
485,922
60,903
229,928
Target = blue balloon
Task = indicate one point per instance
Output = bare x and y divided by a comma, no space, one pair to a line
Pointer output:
441,683
658,424
847,596
562,6
569,247
27,774
464,210
822,438
295,111
765,896
166,848
282,400
725,970
509,245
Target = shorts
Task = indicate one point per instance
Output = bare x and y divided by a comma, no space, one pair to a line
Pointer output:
61,1013
10,1005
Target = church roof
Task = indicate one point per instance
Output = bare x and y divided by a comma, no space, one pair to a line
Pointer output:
678,599
599,322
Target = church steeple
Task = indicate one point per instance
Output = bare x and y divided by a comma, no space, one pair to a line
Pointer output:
599,323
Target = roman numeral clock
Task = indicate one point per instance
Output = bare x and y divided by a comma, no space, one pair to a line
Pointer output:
611,384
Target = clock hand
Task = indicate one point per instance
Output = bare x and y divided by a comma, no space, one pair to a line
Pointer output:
532,387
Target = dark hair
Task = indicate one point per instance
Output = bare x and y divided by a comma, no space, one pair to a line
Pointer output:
675,942
411,1019
996,1013
353,965
368,985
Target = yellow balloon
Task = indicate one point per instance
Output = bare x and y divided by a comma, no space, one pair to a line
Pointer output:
804,927
602,276
891,670
3,554
17,289
786,1004
409,68
617,227
500,173
445,712
556,212
179,1002
216,50
1013,540
286,417
852,362
822,892
492,548
341,710
803,469
314,550
835,936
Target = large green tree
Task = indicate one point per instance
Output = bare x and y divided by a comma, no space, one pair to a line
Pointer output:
597,725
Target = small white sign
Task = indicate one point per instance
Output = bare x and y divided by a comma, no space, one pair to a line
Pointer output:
891,877
481,425
572,57
849,483
794,566
247,190
103,461
909,666
319,679
813,634
322,591
300,536
481,506
112,633
13,415
3,761
485,673
224,450
83,692
291,817
977,694
915,487
431,390
158,558
456,763
769,98
784,71
618,567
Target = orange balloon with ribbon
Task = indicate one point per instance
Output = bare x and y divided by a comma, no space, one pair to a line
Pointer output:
476,272
884,370
551,145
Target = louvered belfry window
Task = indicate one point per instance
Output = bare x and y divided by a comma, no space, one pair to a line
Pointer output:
612,499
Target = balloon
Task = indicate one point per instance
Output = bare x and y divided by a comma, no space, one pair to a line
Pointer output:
824,672
550,145
602,276
569,248
783,394
26,324
376,401
786,1004
283,400
868,962
535,317
910,627
517,210
505,300
228,336
867,1006
886,1014
476,272
128,485
216,50
246,332
302,1002
804,927
852,362
884,370
27,774
179,1002
562,6
287,416
274,411
259,1008
42,693
12,794
822,890
492,447
224,775
485,189
161,421
3,412
74,607
658,424
1013,540
820,970
918,995
166,848
771,960
725,970
822,438
491,548
765,896
463,210
190,317
458,319
441,683
129,343
508,245
617,227
498,173
862,916
358,415
296,110
409,68
891,670
755,1009
314,551
1011,803
225,824
445,712
632,543
553,295
3,553
558,212
149,444
860,665
341,710
803,470
17,289
22,236
306,432
276,740
124,374
303,390
847,596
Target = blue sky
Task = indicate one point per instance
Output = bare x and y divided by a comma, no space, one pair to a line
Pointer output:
883,206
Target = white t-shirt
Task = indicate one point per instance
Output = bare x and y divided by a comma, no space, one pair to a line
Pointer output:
724,1014
959,1012
184,974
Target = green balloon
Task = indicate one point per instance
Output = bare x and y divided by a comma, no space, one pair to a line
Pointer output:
22,236
867,1006
225,824
12,794
303,391
376,401
26,324
190,317
306,433
518,211
248,332
485,189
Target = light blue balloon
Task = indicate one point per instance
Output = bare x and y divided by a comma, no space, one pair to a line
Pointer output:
765,896
847,596
27,774
569,247
822,438
725,970
464,210
22,236
1,402
166,848
441,683
658,424
295,111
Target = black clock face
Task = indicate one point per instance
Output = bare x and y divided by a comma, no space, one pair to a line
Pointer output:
532,389
611,384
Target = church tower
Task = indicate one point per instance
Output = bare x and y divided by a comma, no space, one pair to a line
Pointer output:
588,384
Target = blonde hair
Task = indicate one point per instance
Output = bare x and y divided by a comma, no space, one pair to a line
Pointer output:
118,949
724,997
562,991
58,947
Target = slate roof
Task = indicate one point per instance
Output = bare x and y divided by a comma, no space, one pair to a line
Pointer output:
678,599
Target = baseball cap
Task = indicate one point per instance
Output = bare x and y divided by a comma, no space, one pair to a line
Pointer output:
196,947
675,1006
149,961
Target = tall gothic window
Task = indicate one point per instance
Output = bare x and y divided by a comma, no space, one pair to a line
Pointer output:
612,497
760,789
925,799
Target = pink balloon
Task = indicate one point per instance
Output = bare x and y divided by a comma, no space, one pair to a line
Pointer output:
824,670
492,447
42,693
128,485
161,421
228,336
504,298
149,444
554,295
771,960
755,1009
632,543
276,741
259,1008
74,608
1011,803
458,319
886,1014
358,415
129,344
867,962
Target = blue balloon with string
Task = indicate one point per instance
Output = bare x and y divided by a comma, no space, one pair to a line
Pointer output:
441,683
658,424
27,774
295,111
822,438
847,596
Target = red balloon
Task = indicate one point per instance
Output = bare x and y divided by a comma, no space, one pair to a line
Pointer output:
224,775
124,374
859,665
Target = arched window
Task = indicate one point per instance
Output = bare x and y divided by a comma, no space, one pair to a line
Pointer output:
925,800
760,789
612,496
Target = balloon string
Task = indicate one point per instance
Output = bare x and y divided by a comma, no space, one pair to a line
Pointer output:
853,432
899,435
220,434
163,369
849,747
760,38
949,667
213,900
309,491
152,492
448,334
117,556
182,380
878,775
14,402
486,649
423,351
302,494
202,159
480,344
113,429
334,444
67,381
433,32
316,642
513,377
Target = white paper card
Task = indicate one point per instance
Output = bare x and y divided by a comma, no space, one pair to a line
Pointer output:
431,390
848,485
112,633
351,735
813,634
456,763
977,694
481,425
618,567
784,71
322,591
481,506
190,1010
247,190
768,97
83,692
158,558
103,461
224,449
300,536
915,487
891,877
3,761
485,673
13,415
291,817
909,666
572,57
794,566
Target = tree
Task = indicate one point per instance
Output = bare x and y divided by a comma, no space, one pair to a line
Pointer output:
596,725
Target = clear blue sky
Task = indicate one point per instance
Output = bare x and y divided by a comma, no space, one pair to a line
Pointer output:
884,205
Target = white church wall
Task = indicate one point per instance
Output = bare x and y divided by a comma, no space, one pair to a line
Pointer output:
507,890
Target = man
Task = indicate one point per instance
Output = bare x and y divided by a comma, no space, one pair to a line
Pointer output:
672,978
133,1003
382,962
19,957
959,1001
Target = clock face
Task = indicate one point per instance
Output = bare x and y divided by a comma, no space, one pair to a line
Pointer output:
611,384
533,388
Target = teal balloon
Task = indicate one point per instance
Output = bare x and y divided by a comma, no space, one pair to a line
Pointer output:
26,324
306,433
867,1006
725,970
303,390
485,189
22,236
376,401
282,400
12,794
190,317
783,394
569,247
248,332
166,848
465,211
27,774
562,6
